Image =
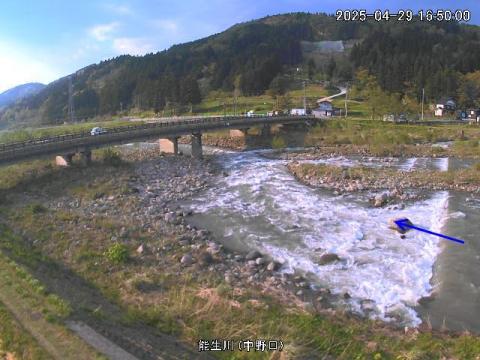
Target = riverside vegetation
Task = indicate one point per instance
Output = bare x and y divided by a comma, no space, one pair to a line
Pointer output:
116,249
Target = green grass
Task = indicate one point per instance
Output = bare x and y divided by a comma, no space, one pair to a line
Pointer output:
213,103
384,138
15,340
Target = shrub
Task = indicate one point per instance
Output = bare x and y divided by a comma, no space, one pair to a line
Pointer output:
117,254
36,208
278,142
111,157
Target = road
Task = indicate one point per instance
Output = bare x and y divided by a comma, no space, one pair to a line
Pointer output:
343,91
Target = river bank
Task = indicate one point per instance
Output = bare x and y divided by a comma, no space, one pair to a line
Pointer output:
398,182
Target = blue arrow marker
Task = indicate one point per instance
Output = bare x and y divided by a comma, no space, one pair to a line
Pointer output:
405,224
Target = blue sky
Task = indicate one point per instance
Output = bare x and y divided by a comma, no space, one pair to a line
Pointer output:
42,40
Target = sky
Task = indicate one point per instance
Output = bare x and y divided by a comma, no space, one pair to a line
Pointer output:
43,40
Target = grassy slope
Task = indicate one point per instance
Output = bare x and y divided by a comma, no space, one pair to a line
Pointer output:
39,313
220,311
15,341
213,103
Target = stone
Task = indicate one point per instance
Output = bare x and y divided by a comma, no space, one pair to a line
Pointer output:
346,295
202,233
213,248
328,258
303,284
238,258
252,255
299,293
380,200
260,261
367,305
170,217
205,258
140,249
186,260
272,266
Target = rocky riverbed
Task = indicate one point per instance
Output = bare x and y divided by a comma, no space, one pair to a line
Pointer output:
153,197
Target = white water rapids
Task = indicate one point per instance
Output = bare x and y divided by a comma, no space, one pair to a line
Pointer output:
261,205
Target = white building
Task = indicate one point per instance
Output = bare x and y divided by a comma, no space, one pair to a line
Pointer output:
298,112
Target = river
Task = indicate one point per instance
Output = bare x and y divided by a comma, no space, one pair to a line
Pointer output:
259,205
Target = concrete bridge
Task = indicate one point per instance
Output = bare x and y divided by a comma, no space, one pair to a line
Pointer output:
64,147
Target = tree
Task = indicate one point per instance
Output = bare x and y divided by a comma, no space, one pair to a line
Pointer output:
284,102
312,68
189,91
469,90
378,101
278,86
330,67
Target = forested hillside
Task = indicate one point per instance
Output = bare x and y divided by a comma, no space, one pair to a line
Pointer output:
251,57
420,55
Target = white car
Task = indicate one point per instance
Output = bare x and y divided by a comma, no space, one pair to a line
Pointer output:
97,131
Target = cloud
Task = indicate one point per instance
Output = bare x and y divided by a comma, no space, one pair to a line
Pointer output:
120,9
132,46
166,25
103,32
18,67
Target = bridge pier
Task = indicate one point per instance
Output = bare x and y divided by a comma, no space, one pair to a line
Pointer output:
86,157
169,145
197,145
64,160
266,130
239,132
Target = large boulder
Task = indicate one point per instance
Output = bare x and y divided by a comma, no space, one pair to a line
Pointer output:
252,255
380,200
328,258
186,260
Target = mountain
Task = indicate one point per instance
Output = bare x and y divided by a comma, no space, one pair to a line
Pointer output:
19,92
250,57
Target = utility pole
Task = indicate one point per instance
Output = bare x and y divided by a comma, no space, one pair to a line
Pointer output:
304,97
71,107
346,104
423,100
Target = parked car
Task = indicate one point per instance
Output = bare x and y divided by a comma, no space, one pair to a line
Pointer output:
250,113
97,131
